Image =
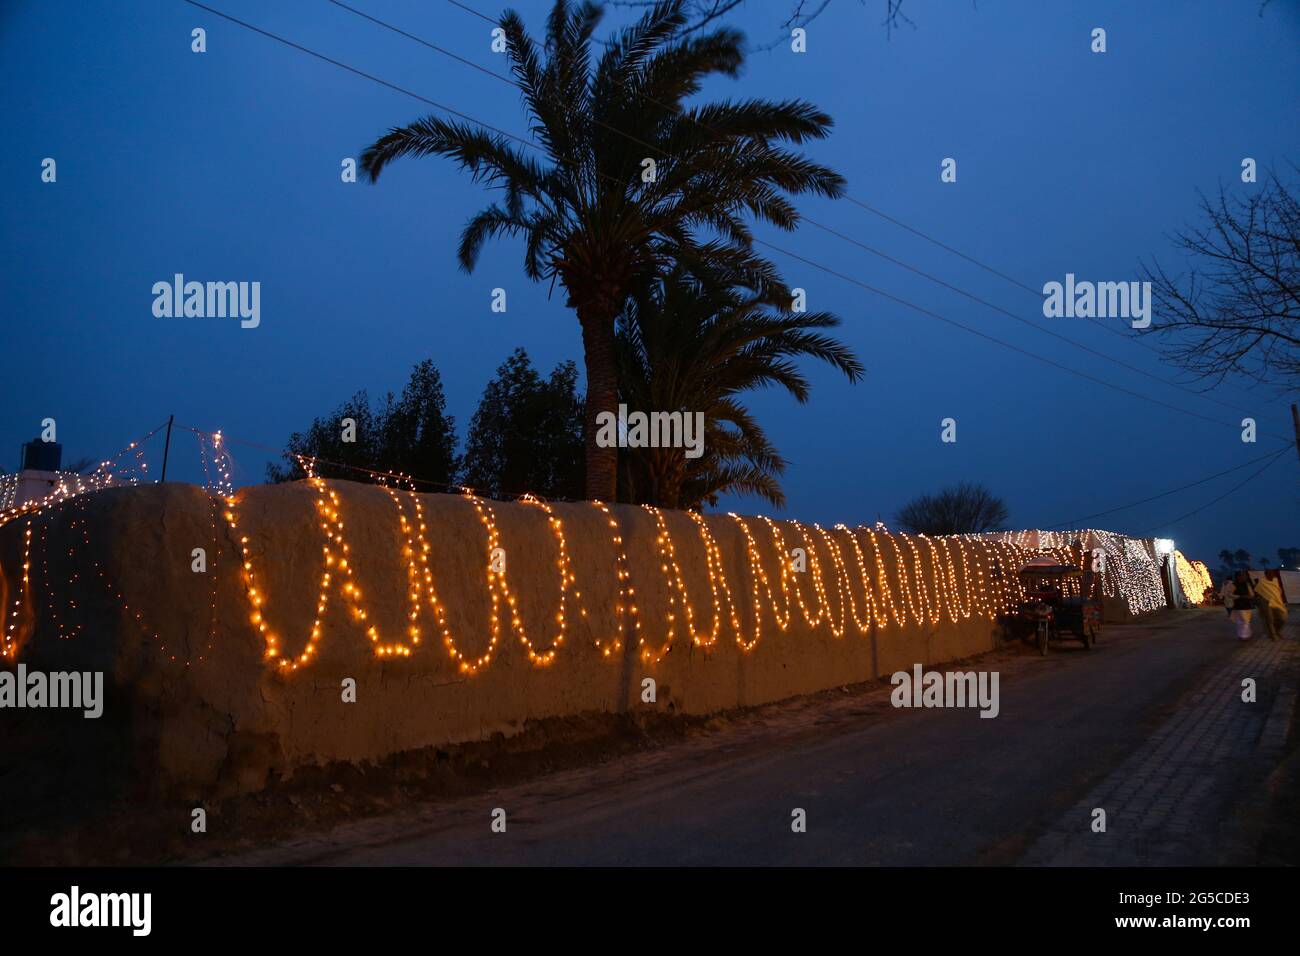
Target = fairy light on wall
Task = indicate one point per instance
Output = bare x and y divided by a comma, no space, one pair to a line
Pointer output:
1132,571
851,580
414,585
51,604
625,609
1193,578
567,580
14,613
836,604
69,486
72,485
218,485
8,491
62,491
759,575
78,535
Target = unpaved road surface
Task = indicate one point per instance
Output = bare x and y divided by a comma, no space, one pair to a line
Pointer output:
1150,724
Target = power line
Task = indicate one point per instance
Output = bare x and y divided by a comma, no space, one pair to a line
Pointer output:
1163,494
423,42
1032,325
532,145
848,198
827,229
1232,490
856,202
362,73
481,16
992,338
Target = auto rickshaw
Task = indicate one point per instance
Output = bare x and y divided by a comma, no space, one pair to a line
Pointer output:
1059,598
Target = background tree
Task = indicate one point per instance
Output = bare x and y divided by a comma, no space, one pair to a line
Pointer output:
964,508
587,216
1237,311
1232,561
527,433
410,435
697,346
1288,557
323,439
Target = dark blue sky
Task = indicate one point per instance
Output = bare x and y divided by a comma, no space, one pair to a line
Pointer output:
225,166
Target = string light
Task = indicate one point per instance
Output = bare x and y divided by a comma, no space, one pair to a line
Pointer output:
625,605
13,614
1132,567
958,572
848,581
1193,578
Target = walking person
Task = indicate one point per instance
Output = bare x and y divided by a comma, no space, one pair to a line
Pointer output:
1271,607
1239,601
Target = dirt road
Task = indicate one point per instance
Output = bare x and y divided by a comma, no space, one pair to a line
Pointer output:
1149,727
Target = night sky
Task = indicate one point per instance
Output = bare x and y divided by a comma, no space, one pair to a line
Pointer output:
225,166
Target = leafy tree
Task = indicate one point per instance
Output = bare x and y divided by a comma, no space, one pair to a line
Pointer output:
1241,558
693,346
323,440
964,508
411,435
419,435
527,433
587,213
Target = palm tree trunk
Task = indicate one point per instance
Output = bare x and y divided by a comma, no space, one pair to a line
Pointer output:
676,477
666,477
602,396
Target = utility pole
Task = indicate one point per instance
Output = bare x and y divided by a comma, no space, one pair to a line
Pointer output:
1295,423
168,444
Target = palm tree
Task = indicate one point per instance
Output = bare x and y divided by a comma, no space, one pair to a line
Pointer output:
695,346
584,207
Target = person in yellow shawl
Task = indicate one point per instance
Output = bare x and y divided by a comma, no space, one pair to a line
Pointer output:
1271,607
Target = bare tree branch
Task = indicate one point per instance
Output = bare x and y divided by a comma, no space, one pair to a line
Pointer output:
964,508
701,13
1236,311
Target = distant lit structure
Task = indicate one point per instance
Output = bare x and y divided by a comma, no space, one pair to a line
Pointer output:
38,475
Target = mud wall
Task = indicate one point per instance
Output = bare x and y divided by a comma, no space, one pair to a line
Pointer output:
218,678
